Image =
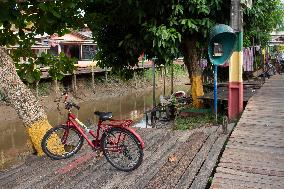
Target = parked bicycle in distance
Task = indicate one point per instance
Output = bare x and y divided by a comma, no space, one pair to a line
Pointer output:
121,145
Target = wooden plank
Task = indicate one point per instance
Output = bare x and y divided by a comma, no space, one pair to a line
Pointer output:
148,168
189,174
85,172
253,148
264,181
225,183
246,167
32,165
254,155
239,153
174,176
275,144
184,150
38,169
201,180
109,173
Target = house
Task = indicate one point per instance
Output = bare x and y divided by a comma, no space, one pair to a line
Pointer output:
77,44
277,38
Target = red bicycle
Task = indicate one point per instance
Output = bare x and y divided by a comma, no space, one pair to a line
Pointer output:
121,145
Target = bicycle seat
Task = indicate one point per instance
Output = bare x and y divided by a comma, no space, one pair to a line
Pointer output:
104,115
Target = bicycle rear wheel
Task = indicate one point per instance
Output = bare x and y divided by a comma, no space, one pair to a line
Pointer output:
62,142
122,149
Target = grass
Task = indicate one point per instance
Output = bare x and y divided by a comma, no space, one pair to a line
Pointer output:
185,123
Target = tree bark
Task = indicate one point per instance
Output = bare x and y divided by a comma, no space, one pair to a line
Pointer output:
191,61
23,101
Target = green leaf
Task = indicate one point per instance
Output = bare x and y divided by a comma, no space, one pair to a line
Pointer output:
55,13
128,36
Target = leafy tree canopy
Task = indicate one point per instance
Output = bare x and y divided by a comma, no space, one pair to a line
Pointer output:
21,20
264,17
124,29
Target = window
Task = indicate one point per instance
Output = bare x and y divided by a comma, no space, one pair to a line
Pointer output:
88,52
53,50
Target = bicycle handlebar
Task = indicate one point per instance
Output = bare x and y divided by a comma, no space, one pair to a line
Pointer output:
68,105
76,106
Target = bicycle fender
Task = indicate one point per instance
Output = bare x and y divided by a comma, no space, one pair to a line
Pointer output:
136,135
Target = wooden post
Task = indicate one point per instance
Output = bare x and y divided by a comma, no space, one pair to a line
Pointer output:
164,80
144,103
56,87
172,78
59,49
37,93
135,103
120,108
135,78
262,65
74,82
105,74
81,52
143,67
93,78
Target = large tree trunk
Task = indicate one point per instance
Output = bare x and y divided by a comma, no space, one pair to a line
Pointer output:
191,61
24,102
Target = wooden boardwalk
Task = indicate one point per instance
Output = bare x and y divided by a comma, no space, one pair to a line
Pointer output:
172,159
254,155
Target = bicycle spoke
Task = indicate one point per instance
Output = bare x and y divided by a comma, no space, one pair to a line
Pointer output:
122,150
62,142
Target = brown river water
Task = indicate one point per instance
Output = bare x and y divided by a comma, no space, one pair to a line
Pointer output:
13,138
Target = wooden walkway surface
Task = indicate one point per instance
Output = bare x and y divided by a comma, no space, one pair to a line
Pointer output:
172,159
254,155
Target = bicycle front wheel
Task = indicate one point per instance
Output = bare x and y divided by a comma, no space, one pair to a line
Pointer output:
62,142
122,149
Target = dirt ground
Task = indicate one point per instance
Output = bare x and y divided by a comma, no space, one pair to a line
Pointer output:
86,93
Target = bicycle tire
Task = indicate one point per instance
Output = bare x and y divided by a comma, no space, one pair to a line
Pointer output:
125,165
66,147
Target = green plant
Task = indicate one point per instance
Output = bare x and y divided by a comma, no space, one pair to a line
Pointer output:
148,74
44,88
29,72
184,123
58,65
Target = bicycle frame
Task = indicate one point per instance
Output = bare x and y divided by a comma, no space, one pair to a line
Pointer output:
73,121
114,138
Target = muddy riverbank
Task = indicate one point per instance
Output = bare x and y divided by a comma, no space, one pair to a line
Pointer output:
85,93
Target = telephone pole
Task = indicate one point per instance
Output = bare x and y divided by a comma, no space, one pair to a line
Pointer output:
235,98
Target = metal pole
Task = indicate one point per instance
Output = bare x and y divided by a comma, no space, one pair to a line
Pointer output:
215,93
154,82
